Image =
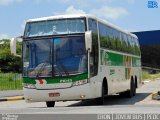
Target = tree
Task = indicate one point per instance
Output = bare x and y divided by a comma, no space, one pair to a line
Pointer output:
9,62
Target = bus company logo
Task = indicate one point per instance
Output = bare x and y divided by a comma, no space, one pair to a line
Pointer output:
41,81
152,4
65,80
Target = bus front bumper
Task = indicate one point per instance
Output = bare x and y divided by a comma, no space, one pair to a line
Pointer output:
85,91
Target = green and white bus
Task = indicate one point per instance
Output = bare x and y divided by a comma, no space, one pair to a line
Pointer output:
78,57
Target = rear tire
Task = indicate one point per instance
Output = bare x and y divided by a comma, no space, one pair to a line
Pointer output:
134,89
100,100
130,93
136,86
50,103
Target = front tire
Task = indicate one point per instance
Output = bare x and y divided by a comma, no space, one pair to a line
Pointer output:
100,100
50,103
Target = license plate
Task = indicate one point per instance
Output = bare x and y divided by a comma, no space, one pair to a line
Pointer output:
54,94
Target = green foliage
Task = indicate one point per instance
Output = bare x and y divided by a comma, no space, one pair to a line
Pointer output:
147,76
9,62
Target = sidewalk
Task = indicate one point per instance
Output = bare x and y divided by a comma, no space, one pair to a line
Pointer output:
11,93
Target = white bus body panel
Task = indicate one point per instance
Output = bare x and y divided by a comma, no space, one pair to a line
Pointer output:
89,90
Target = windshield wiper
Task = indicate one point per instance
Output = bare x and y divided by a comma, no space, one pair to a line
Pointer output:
62,68
41,69
58,70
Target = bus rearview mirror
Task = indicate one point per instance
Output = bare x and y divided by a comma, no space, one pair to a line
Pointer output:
88,40
13,45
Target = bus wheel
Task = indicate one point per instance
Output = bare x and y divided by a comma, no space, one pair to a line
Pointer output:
134,88
50,103
131,92
100,100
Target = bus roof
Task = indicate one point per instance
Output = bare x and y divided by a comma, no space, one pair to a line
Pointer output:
80,16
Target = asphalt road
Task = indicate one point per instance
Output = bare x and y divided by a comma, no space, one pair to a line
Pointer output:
141,103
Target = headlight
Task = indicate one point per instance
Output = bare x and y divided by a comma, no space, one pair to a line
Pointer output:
29,86
80,82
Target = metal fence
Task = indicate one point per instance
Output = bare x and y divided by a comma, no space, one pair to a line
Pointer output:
10,81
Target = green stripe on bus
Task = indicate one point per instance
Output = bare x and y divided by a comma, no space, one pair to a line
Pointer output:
57,80
114,59
117,59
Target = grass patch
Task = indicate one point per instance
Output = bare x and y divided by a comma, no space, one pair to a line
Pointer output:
146,75
10,81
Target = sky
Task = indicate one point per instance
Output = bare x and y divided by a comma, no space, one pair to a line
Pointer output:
130,15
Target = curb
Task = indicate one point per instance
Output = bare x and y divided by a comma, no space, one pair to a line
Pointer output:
12,98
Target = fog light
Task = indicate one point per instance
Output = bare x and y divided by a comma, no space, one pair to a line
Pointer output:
82,96
29,99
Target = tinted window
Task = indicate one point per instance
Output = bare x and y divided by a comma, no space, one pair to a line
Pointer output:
137,49
109,37
105,34
95,50
113,39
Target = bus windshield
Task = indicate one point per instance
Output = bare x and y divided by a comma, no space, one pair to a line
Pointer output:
55,27
59,56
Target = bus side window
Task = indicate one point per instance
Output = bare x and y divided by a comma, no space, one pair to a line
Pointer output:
94,54
137,48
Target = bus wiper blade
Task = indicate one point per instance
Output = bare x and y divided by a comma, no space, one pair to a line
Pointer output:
61,69
58,70
65,70
41,69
